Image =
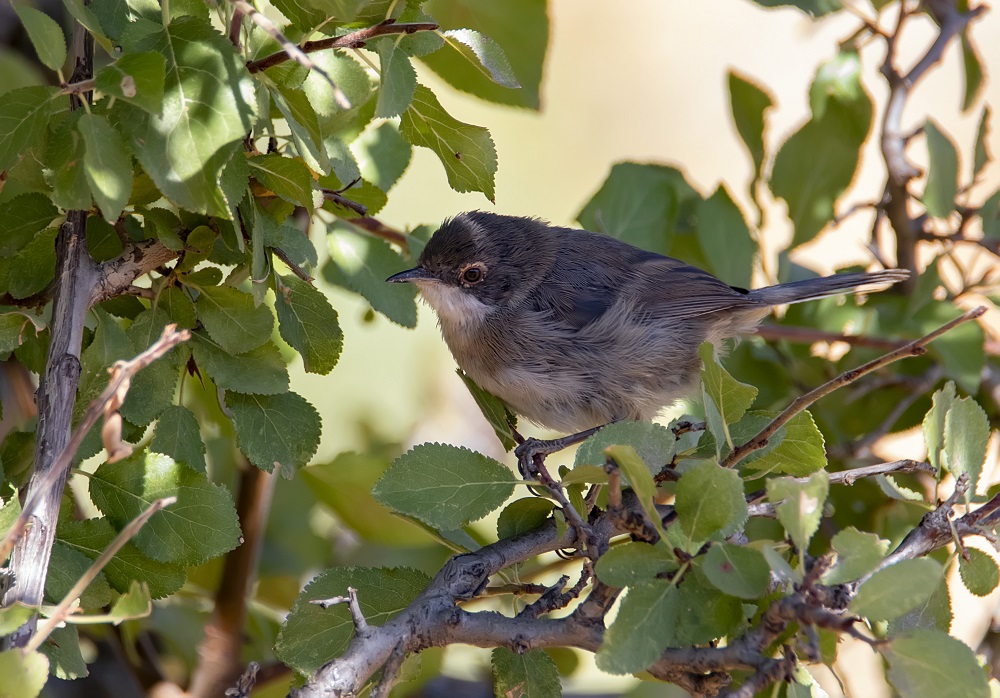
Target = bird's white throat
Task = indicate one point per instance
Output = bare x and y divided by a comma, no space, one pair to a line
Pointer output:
454,306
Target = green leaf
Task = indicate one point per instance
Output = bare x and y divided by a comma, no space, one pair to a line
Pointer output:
13,617
34,266
973,68
817,162
813,8
653,442
530,674
200,525
897,589
737,571
520,28
632,563
704,613
361,263
232,320
21,217
858,552
22,674
24,114
643,629
398,78
522,516
725,238
138,78
383,155
933,424
934,613
638,204
178,435
208,107
275,430
311,635
178,306
15,327
982,155
799,505
286,177
959,350
67,566
466,151
638,476
153,387
106,164
709,502
303,123
966,435
134,603
444,486
932,664
261,370
46,35
496,411
799,449
942,172
726,399
748,102
979,574
308,322
894,490
484,54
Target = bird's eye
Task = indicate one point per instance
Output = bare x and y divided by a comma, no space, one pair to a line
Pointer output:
473,275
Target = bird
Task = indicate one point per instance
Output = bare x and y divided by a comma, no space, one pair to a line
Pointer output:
575,329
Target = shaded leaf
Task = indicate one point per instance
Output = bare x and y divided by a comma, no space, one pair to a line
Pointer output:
736,570
261,370
726,399
106,164
799,505
45,33
632,563
643,628
530,674
653,442
980,573
308,322
138,78
496,411
398,78
287,177
858,552
932,664
942,172
21,217
523,515
232,320
709,502
24,113
725,238
897,589
178,435
275,430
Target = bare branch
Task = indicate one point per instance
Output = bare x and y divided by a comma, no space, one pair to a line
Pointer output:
808,335
914,348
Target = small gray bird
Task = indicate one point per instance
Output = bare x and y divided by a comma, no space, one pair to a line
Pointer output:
574,329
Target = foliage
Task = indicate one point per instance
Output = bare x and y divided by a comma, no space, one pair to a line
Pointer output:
202,161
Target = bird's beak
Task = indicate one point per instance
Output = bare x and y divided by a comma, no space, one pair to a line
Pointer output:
411,275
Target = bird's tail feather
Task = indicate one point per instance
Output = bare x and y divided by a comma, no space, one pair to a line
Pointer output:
811,289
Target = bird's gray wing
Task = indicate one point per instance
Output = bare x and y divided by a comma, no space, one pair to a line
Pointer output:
670,288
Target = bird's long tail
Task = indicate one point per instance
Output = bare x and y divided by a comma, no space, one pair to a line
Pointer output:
811,289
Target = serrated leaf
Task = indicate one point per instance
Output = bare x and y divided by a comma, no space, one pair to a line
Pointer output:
65,569
178,435
643,629
22,674
966,435
654,443
633,563
817,163
311,635
232,320
725,238
46,35
858,552
304,126
138,78
275,430
637,474
496,411
444,486
62,648
799,449
932,664
520,27
484,54
980,573
208,107
523,515
64,153
34,266
896,590
704,613
383,155
736,570
531,674
308,322
942,172
398,79
466,151
24,113
638,204
178,307
726,399
799,505
15,328
13,617
709,502
106,164
262,370
152,388
202,524
21,217
933,424
894,490
287,177
361,264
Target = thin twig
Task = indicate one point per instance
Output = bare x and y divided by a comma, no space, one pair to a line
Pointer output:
914,348
337,198
123,371
381,230
360,624
355,39
808,335
296,269
62,611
